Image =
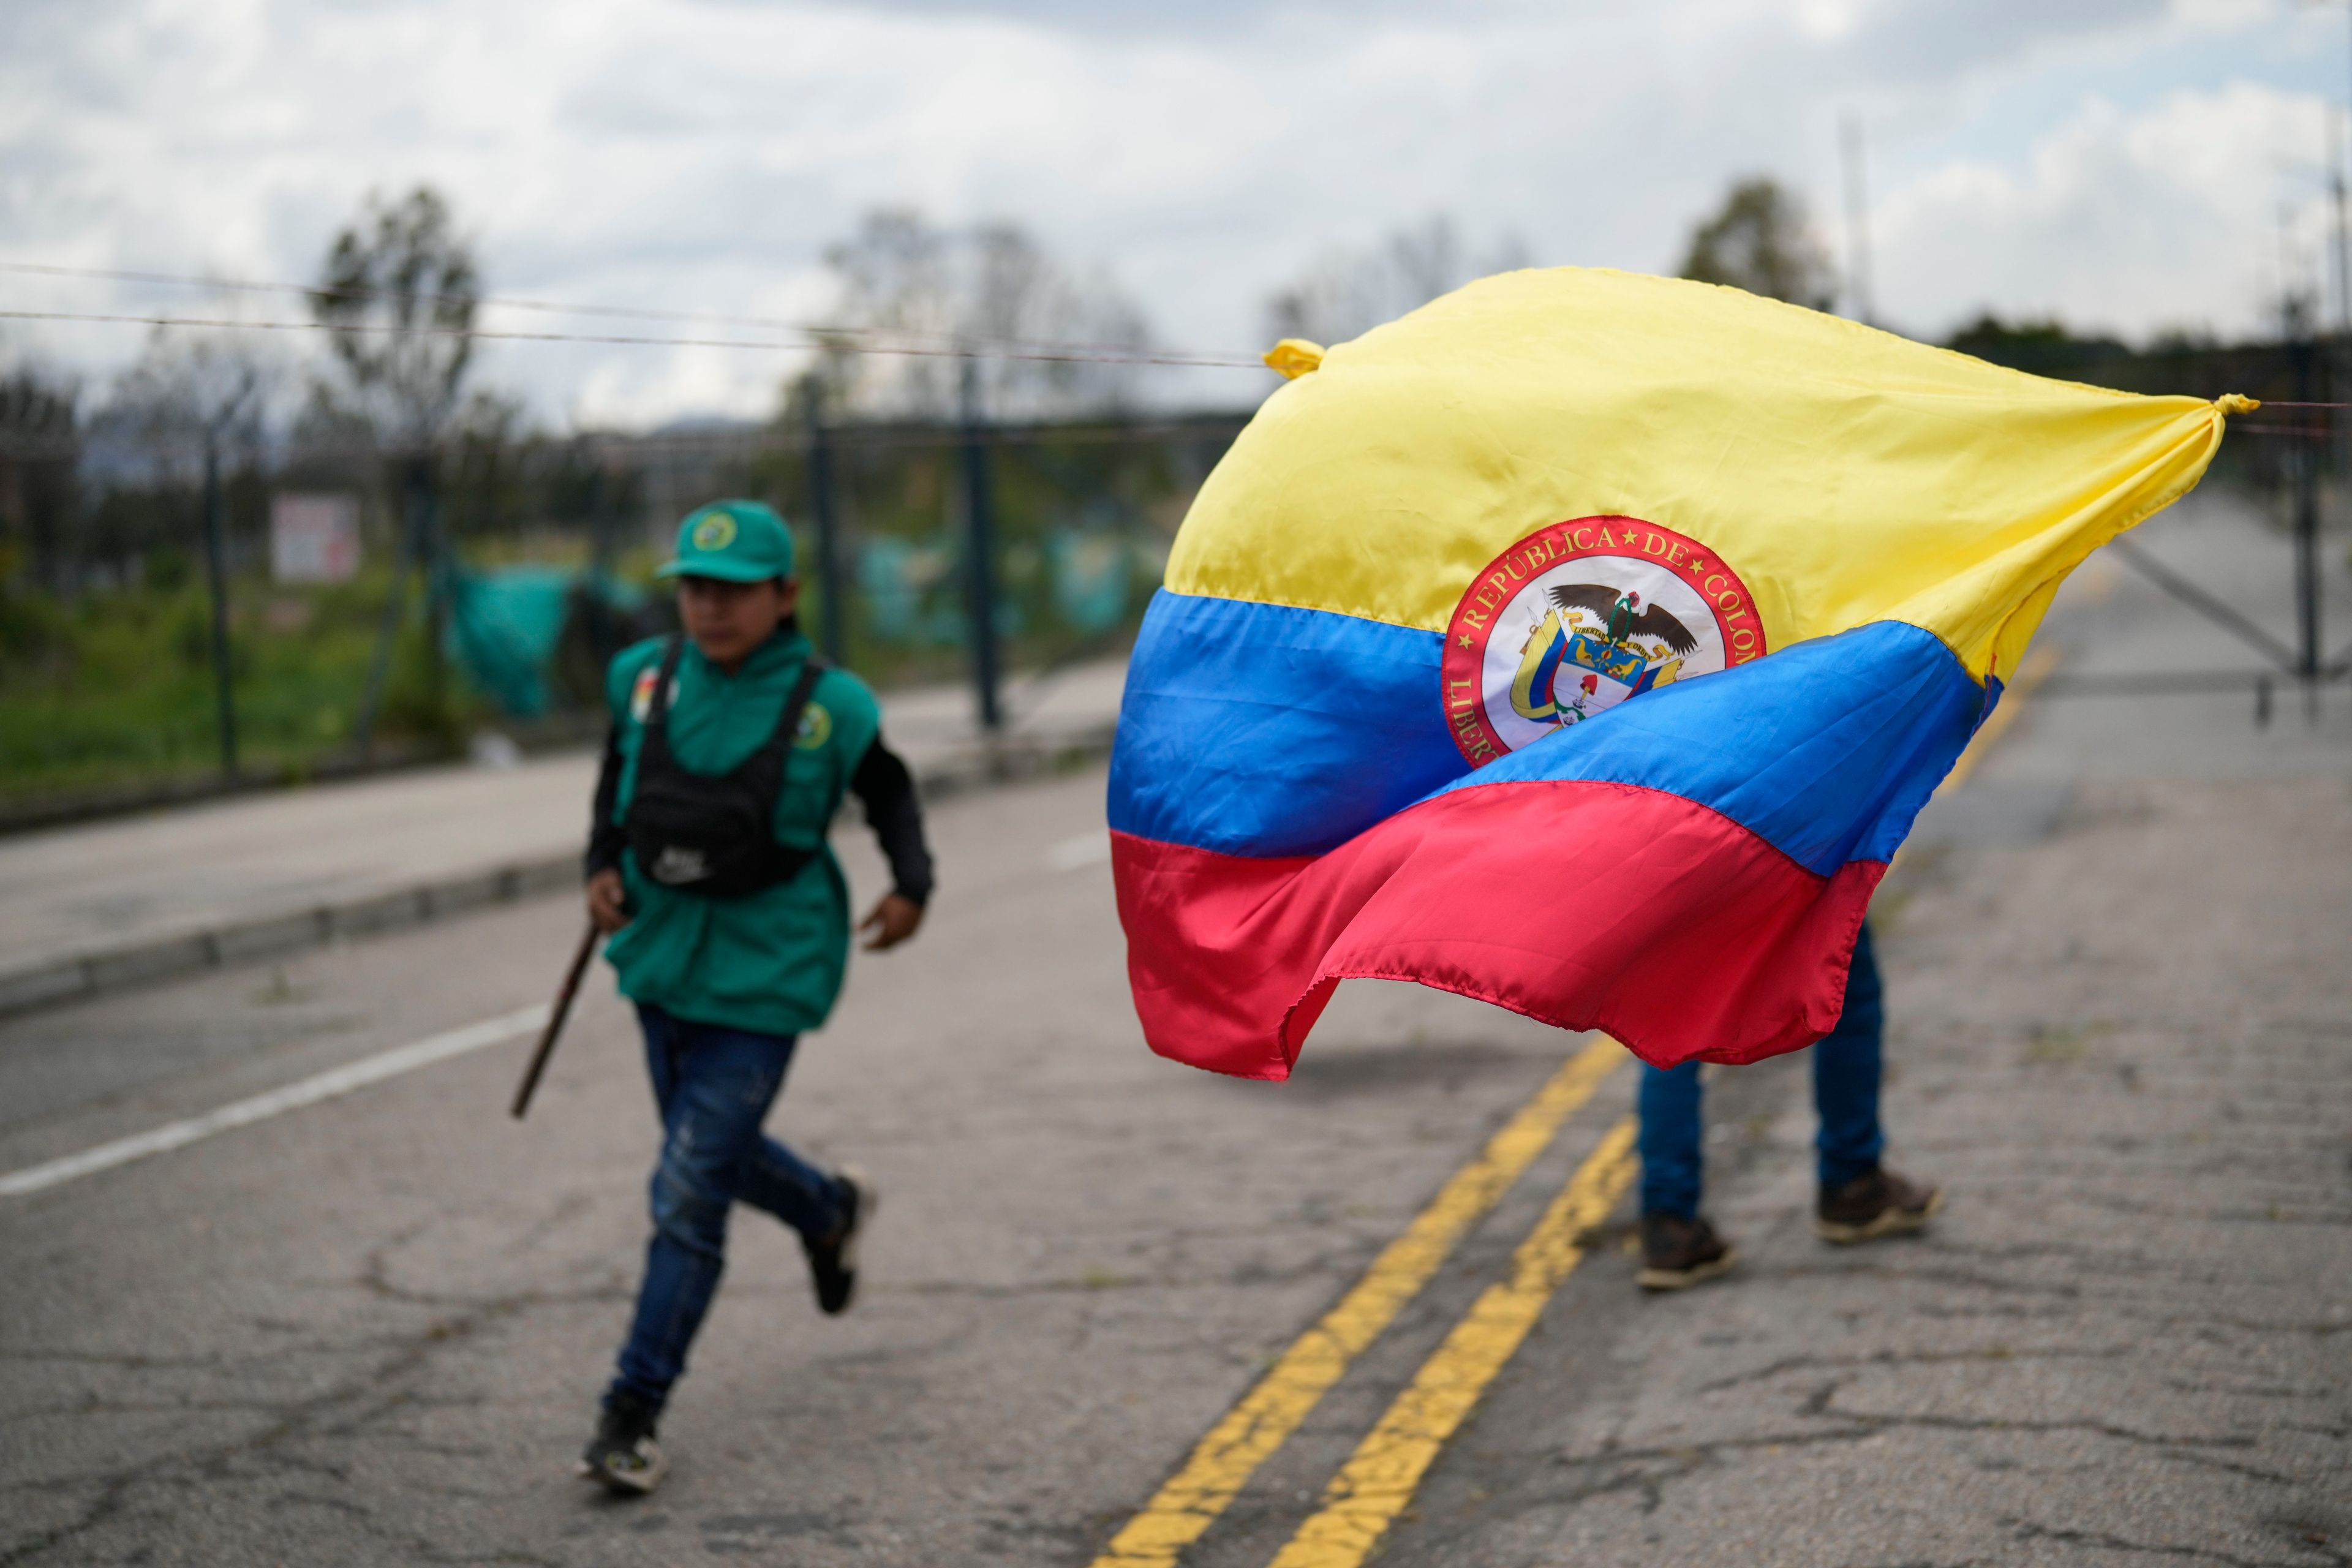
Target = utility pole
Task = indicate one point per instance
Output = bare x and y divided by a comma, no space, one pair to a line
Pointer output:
217,568
2290,304
827,518
2340,359
1857,221
2335,127
980,553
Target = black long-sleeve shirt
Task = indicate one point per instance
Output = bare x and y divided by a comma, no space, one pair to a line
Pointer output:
887,789
882,785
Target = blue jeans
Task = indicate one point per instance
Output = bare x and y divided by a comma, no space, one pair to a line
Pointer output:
1846,1070
714,1087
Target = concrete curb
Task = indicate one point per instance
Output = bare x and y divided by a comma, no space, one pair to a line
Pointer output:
98,972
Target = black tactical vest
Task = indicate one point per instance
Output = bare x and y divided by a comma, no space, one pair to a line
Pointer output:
713,834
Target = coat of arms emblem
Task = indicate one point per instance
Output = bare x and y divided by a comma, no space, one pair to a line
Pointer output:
1579,616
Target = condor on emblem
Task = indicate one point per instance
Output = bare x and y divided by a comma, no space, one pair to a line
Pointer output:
1578,616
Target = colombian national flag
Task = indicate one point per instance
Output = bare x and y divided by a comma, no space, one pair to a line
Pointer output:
1586,643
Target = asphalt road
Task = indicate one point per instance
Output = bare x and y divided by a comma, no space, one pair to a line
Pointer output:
370,1329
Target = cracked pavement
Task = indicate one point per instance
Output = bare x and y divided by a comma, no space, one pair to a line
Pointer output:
2126,1340
372,1331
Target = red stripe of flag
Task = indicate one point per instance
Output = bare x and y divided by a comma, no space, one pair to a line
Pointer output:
1583,904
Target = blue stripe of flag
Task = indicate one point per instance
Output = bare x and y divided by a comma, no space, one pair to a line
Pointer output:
1263,730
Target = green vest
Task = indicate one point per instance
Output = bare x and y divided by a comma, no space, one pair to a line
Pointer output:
770,962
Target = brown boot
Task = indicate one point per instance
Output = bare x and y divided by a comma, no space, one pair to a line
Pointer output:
1678,1253
1879,1203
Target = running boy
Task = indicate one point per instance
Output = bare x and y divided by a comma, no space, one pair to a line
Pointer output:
731,749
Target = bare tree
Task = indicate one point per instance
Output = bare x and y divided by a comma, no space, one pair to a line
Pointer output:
397,296
1760,240
188,404
895,276
188,395
990,291
1347,293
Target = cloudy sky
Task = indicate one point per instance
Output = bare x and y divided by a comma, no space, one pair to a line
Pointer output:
2130,164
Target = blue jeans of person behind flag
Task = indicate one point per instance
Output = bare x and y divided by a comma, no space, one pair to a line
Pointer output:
714,1087
1846,1071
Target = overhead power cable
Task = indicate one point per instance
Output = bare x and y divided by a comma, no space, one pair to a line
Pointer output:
977,350
751,442
956,344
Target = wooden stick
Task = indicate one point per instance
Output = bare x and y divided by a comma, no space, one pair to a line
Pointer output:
555,1016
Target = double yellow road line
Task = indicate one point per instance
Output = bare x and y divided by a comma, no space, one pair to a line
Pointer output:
1379,1478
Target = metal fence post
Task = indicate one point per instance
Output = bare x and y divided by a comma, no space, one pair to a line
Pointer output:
439,564
216,567
2307,455
603,546
410,551
827,519
980,562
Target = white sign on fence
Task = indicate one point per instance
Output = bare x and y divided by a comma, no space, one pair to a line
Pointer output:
314,538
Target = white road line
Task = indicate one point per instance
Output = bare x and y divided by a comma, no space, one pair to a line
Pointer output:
261,1107
1085,849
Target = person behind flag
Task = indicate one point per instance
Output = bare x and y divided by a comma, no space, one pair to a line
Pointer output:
1860,1198
730,751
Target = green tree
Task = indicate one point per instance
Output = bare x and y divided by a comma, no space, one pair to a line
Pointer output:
397,297
1760,240
2045,347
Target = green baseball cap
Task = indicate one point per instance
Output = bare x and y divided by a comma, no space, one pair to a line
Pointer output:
739,541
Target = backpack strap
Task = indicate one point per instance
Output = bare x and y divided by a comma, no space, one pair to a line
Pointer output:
658,711
779,863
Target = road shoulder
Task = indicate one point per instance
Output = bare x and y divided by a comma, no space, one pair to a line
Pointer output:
2130,1331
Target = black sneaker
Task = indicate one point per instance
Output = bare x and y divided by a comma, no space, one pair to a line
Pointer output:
623,1456
1678,1253
1881,1203
832,1262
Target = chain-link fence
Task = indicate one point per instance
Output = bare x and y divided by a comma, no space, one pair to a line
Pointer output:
379,609
370,608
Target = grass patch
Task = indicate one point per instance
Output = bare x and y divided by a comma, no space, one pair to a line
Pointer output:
119,688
